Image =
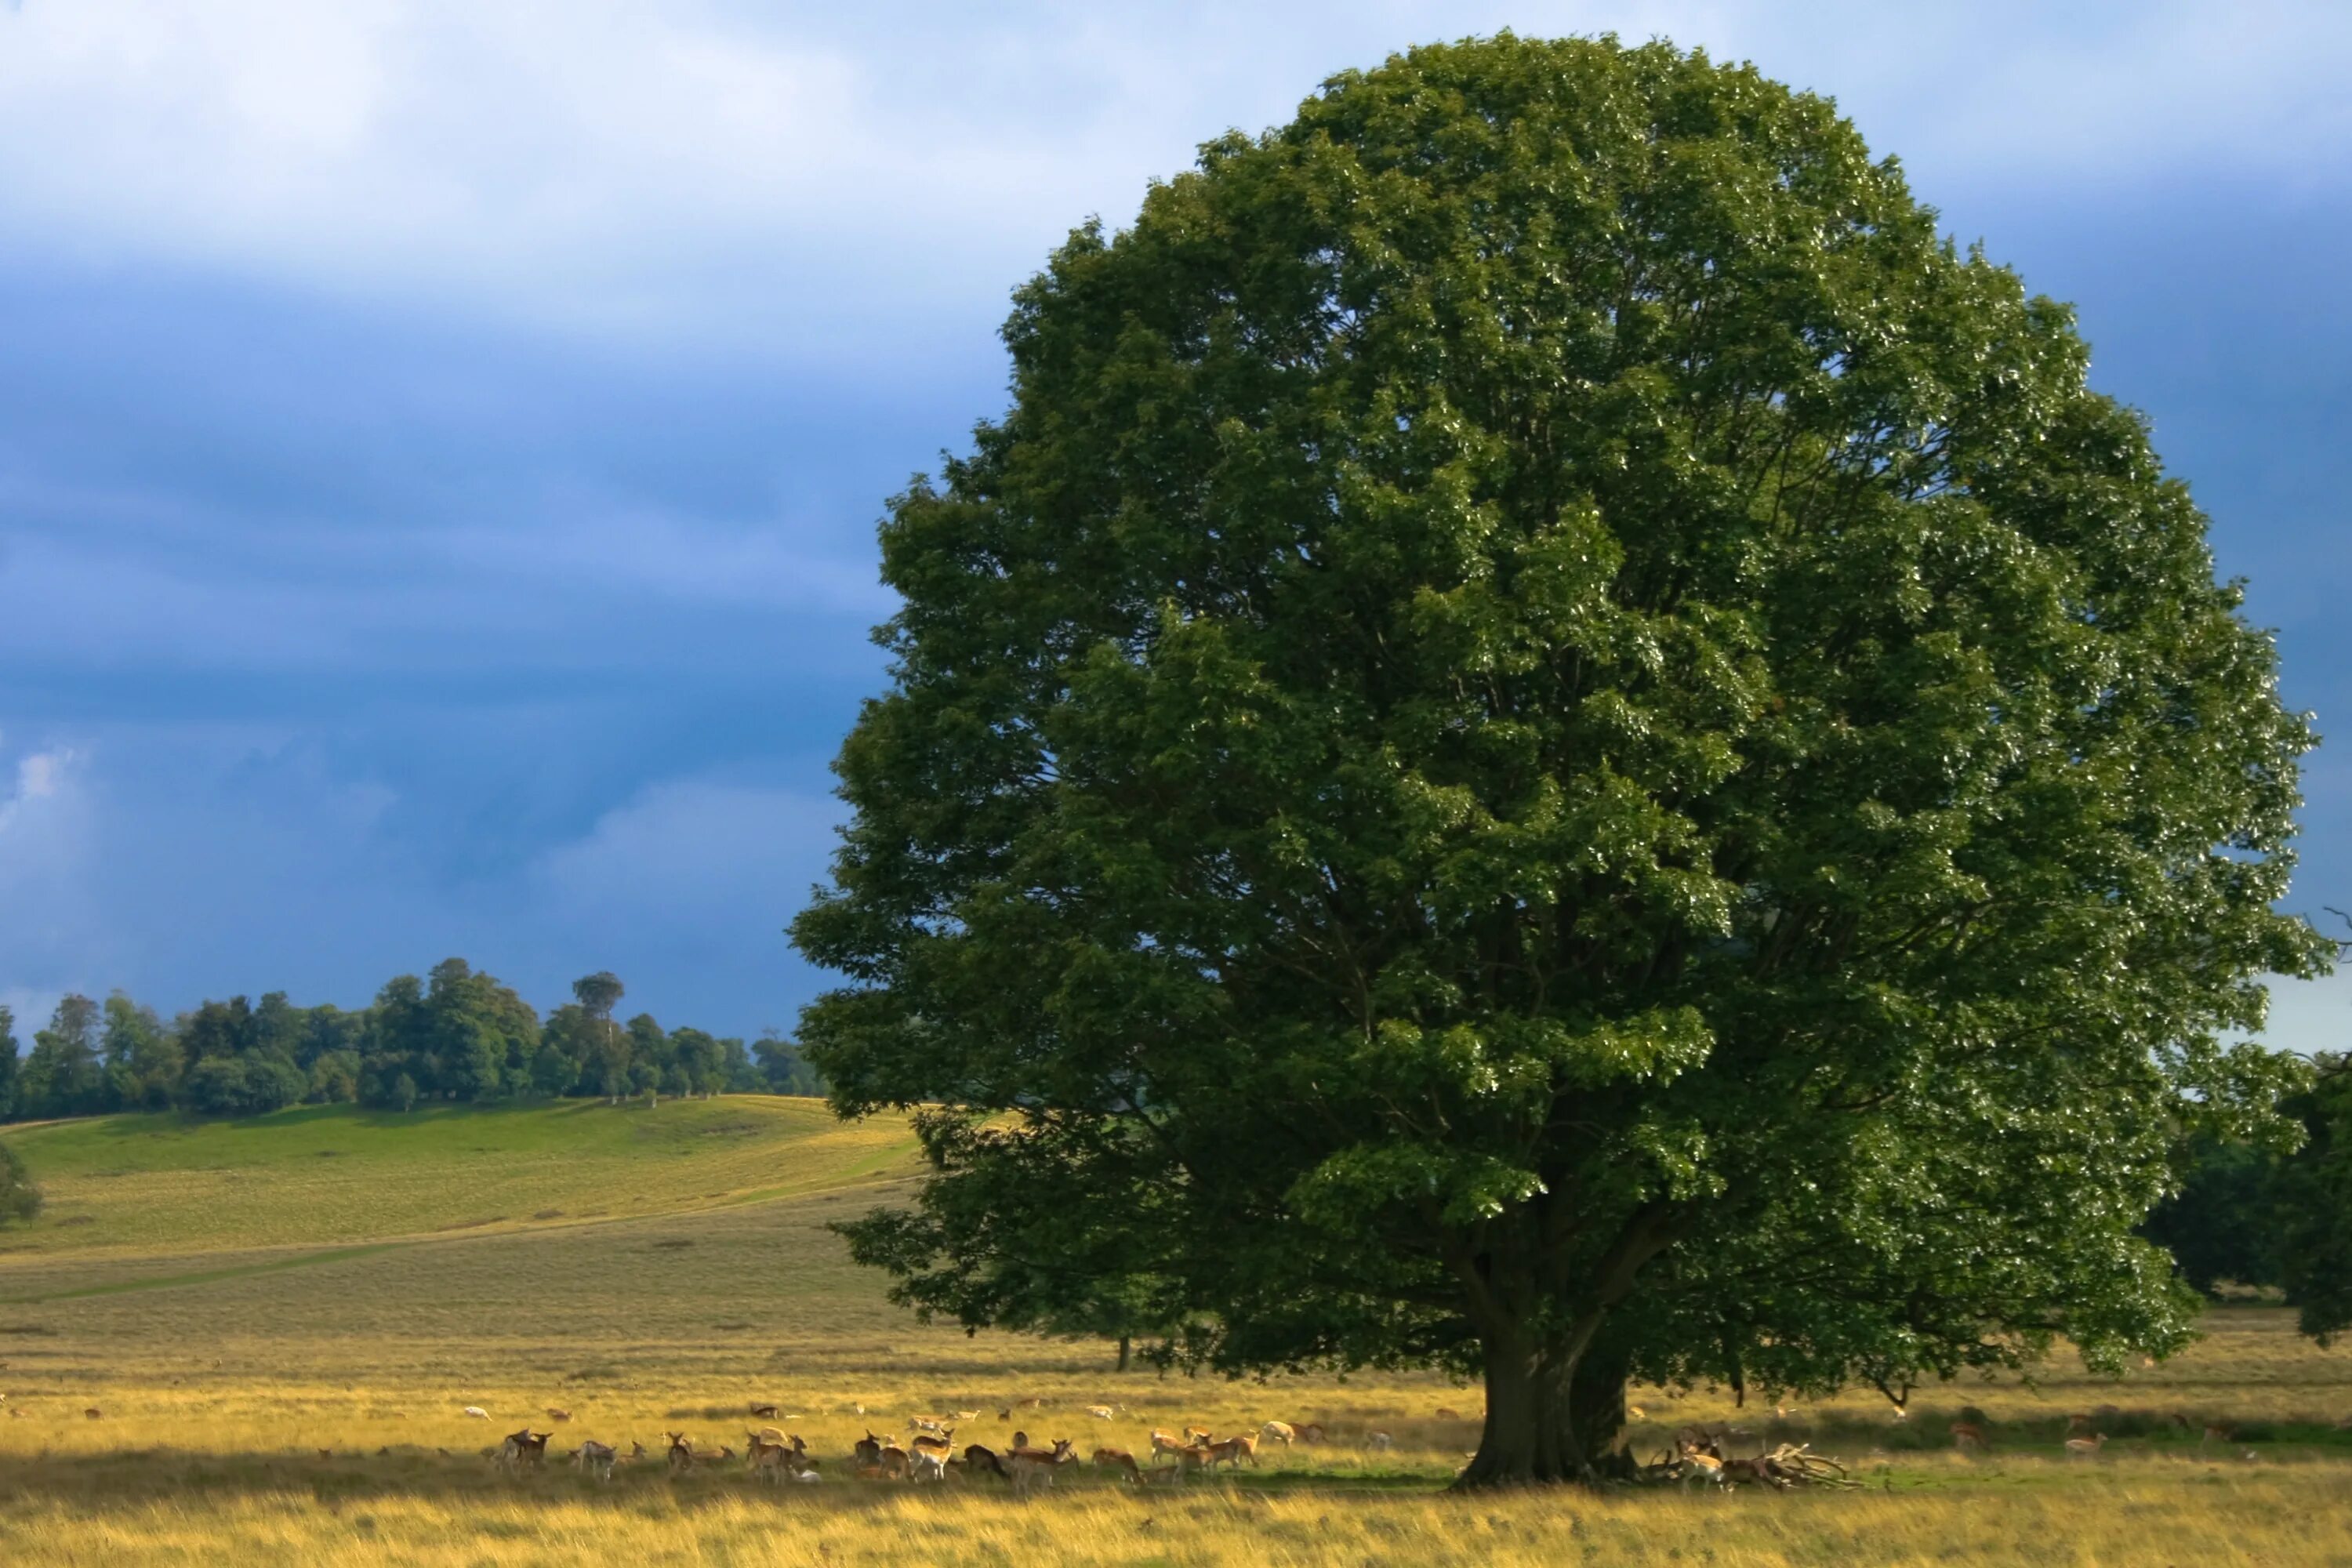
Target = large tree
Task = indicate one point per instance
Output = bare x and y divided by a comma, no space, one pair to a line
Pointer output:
1552,740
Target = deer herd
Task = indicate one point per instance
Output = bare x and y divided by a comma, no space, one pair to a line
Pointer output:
931,1454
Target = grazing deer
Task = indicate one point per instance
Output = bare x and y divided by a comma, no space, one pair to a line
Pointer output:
2086,1447
762,1411
1163,1476
594,1459
94,1413
1118,1460
978,1456
1277,1432
1196,1435
1967,1436
555,1414
1162,1443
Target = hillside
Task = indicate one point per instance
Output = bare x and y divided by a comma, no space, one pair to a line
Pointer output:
338,1174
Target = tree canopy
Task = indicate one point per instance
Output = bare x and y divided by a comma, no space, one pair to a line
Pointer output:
1552,740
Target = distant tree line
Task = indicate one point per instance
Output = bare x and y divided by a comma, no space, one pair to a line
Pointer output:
456,1035
2250,1216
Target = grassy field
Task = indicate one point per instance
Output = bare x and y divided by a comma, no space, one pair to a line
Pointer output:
336,1175
282,1366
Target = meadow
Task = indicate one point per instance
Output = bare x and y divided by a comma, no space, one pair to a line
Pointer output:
282,1344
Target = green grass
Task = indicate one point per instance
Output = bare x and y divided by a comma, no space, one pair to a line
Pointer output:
322,1176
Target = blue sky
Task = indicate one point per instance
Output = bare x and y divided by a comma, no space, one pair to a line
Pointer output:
440,444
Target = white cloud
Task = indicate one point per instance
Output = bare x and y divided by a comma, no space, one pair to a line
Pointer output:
687,858
644,166
51,935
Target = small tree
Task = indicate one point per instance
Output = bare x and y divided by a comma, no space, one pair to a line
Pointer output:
597,995
19,1198
1545,702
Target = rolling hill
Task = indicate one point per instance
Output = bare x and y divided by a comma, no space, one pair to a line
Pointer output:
330,1175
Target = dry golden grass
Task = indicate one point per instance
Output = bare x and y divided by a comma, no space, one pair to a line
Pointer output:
223,1376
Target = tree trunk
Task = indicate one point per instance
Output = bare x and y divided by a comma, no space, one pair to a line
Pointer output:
1552,1414
1123,1348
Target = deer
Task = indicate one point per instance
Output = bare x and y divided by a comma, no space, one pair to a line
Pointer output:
1701,1466
523,1448
594,1458
681,1452
1234,1451
1118,1460
931,1454
554,1414
978,1456
2086,1448
1036,1466
1967,1436
1277,1432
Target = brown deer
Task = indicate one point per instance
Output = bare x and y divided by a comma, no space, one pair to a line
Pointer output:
523,1448
1234,1451
1036,1466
